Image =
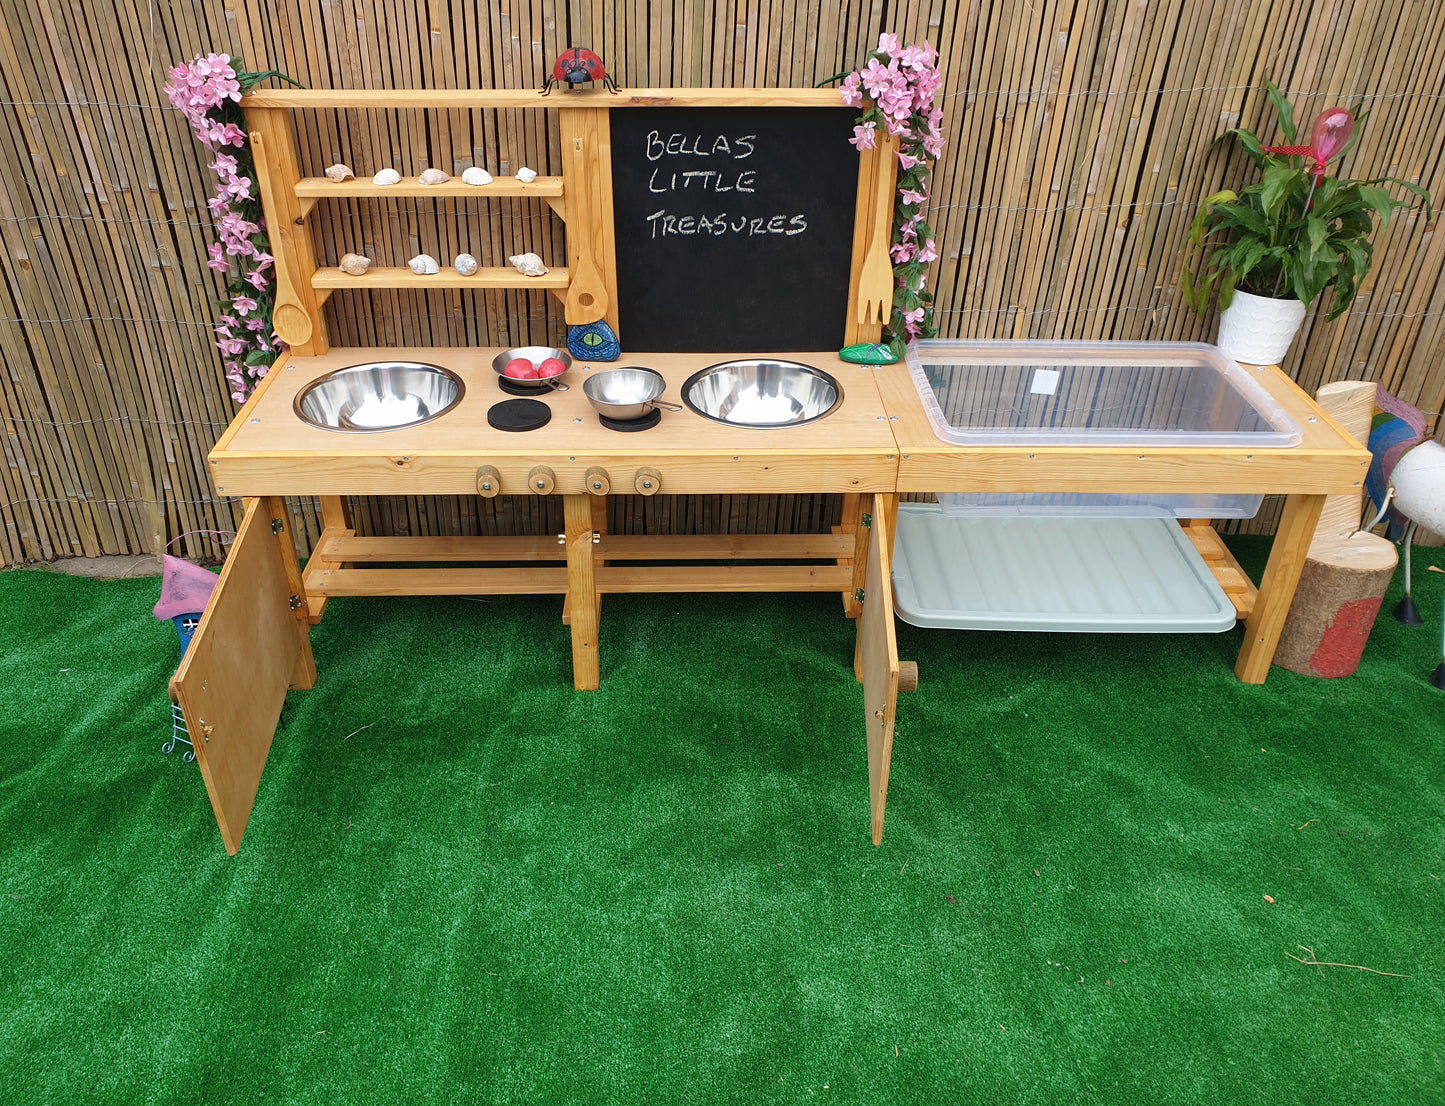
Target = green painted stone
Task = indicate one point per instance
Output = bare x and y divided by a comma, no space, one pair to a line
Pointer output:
868,353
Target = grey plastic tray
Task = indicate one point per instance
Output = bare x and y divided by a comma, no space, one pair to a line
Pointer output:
1120,575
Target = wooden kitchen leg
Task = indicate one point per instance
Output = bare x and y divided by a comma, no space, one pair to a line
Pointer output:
1276,588
582,592
849,525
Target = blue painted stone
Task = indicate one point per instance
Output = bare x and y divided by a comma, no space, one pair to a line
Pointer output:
593,342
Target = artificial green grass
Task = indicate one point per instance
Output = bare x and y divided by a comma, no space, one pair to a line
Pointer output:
465,881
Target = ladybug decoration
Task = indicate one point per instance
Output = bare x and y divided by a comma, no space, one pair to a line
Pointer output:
576,66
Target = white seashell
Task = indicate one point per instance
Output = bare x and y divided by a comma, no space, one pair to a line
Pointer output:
476,175
465,264
434,176
528,264
386,177
525,175
424,264
355,264
339,173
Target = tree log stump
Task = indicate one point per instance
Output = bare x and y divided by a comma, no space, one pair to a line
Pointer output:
1335,605
1347,571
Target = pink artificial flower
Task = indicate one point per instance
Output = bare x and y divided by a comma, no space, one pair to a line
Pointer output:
224,165
220,207
231,346
259,280
908,161
915,316
929,251
863,137
888,44
902,252
229,135
240,247
912,58
262,260
230,320
218,260
244,305
908,196
933,143
851,90
260,371
239,188
877,79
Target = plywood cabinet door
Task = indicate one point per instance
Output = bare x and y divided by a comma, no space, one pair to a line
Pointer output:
250,647
878,654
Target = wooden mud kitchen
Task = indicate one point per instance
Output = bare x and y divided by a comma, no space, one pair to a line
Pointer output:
737,240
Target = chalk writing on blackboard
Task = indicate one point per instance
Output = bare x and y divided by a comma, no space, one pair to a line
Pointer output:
733,226
675,156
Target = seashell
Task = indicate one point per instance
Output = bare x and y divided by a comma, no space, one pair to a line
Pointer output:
525,175
465,264
476,175
424,264
355,264
434,176
528,264
339,173
386,177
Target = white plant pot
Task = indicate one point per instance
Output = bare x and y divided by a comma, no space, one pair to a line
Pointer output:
1257,330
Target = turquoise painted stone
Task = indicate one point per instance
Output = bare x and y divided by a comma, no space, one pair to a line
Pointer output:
593,342
868,353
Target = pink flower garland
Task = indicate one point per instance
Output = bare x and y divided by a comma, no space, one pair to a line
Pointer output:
208,92
903,82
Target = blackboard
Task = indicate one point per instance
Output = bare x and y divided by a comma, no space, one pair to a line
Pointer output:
734,227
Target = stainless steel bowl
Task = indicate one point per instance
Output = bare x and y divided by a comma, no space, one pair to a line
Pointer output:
380,395
761,393
536,355
626,392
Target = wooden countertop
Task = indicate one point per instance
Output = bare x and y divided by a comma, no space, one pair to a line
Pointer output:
267,450
878,440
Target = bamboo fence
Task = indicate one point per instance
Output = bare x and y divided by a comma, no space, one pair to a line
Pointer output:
1078,145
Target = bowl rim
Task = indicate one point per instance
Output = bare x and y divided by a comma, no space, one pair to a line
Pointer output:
351,429
810,370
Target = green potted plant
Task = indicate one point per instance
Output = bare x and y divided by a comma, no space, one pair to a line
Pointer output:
1270,249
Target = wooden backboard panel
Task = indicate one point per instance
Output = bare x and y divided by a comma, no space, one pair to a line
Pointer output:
233,680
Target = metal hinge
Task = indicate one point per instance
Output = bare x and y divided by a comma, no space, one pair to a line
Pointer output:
867,520
297,602
277,526
858,594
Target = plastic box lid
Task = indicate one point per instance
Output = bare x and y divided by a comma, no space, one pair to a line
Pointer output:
1094,393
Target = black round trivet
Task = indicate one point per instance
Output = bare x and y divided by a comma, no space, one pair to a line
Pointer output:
518,414
646,422
522,387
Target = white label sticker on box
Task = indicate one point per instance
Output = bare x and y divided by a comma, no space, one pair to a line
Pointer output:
1045,382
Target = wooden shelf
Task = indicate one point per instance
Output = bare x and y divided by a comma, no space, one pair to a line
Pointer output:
311,189
488,279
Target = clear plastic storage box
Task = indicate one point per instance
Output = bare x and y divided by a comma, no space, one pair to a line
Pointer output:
1032,393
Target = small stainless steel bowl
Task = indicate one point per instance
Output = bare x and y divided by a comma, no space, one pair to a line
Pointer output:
761,394
380,395
536,355
626,392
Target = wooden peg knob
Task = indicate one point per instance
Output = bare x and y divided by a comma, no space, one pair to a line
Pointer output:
541,480
597,481
647,481
489,482
907,675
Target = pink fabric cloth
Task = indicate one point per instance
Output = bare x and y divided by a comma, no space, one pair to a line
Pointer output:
185,588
